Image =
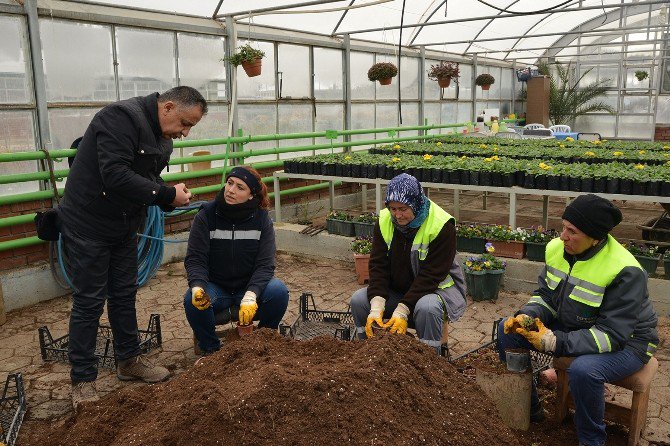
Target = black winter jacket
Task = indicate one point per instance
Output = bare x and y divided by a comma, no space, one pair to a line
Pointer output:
238,256
116,172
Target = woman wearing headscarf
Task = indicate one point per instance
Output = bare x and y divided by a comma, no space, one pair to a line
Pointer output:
592,303
230,260
414,276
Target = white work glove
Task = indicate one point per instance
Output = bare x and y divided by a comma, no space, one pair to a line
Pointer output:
377,305
200,299
248,307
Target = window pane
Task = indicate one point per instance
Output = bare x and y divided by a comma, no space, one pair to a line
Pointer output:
328,74
16,135
605,125
295,119
464,113
146,61
258,119
361,87
86,74
387,116
640,127
663,110
293,71
410,117
636,104
200,65
66,125
263,85
329,117
431,112
450,114
465,82
386,91
213,125
15,86
409,70
506,84
632,82
362,117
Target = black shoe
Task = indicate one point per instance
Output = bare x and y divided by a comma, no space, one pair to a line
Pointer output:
538,415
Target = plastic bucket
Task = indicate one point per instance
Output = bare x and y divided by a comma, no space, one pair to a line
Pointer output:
200,165
517,361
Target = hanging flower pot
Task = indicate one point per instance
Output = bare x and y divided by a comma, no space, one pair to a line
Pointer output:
253,68
444,82
382,72
249,58
485,81
486,87
443,73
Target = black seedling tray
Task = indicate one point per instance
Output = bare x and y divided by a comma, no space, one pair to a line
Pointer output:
312,322
57,349
12,409
539,361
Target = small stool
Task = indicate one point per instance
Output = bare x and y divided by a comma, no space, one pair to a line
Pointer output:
635,417
221,318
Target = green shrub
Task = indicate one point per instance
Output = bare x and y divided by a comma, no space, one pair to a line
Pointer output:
245,53
382,70
484,79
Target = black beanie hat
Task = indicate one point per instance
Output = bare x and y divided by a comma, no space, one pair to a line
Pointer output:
593,215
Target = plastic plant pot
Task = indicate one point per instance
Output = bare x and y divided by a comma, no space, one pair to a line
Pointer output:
517,360
244,330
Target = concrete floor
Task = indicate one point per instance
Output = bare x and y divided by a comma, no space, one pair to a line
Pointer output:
331,282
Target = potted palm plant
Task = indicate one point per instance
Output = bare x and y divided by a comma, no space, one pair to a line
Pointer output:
483,275
250,58
485,81
443,73
641,75
382,72
362,246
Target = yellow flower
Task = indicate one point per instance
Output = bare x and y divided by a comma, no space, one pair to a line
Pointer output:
617,153
545,166
488,160
569,139
639,166
439,143
463,157
468,263
347,157
427,157
483,146
642,152
666,147
667,163
589,154
397,146
596,142
395,159
562,146
487,263
495,149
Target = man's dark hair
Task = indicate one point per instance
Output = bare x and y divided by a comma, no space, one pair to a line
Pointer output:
186,96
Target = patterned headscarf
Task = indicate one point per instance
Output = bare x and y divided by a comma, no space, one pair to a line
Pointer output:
407,190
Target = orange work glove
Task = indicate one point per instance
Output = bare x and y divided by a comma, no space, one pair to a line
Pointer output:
200,299
248,308
398,321
544,340
377,305
520,321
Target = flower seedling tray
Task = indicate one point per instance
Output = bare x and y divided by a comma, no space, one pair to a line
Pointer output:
12,409
57,349
311,322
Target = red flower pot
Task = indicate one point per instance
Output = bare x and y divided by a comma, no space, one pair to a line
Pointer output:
513,249
362,262
386,81
485,87
444,82
253,68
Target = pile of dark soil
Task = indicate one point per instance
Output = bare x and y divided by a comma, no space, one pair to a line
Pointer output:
266,389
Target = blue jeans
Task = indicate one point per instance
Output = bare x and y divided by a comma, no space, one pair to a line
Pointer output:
272,305
587,376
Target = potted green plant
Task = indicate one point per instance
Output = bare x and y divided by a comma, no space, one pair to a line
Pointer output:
666,263
508,242
250,58
641,75
485,81
364,224
536,240
382,72
470,237
362,246
646,255
483,275
443,72
340,223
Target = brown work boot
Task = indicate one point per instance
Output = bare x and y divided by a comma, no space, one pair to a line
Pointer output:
139,367
83,392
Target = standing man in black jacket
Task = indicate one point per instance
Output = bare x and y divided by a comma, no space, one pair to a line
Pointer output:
114,178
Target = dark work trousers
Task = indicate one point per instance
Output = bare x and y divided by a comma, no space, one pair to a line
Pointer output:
99,270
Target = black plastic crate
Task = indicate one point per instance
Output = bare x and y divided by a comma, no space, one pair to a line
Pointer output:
12,408
57,349
312,322
539,361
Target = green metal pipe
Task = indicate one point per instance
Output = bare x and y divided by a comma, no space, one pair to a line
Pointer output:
20,243
36,155
32,176
29,196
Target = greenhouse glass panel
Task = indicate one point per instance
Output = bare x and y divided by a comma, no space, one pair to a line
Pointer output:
636,104
17,135
86,74
213,125
409,77
410,117
295,118
631,80
15,84
386,117
201,65
465,82
146,61
663,110
263,85
294,79
611,73
328,74
605,125
66,125
464,113
639,127
506,84
258,119
430,88
432,113
386,91
329,117
450,114
361,87
362,117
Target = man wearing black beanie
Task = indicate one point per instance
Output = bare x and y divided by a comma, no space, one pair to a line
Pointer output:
592,303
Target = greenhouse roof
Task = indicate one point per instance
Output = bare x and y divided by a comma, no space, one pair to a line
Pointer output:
499,29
